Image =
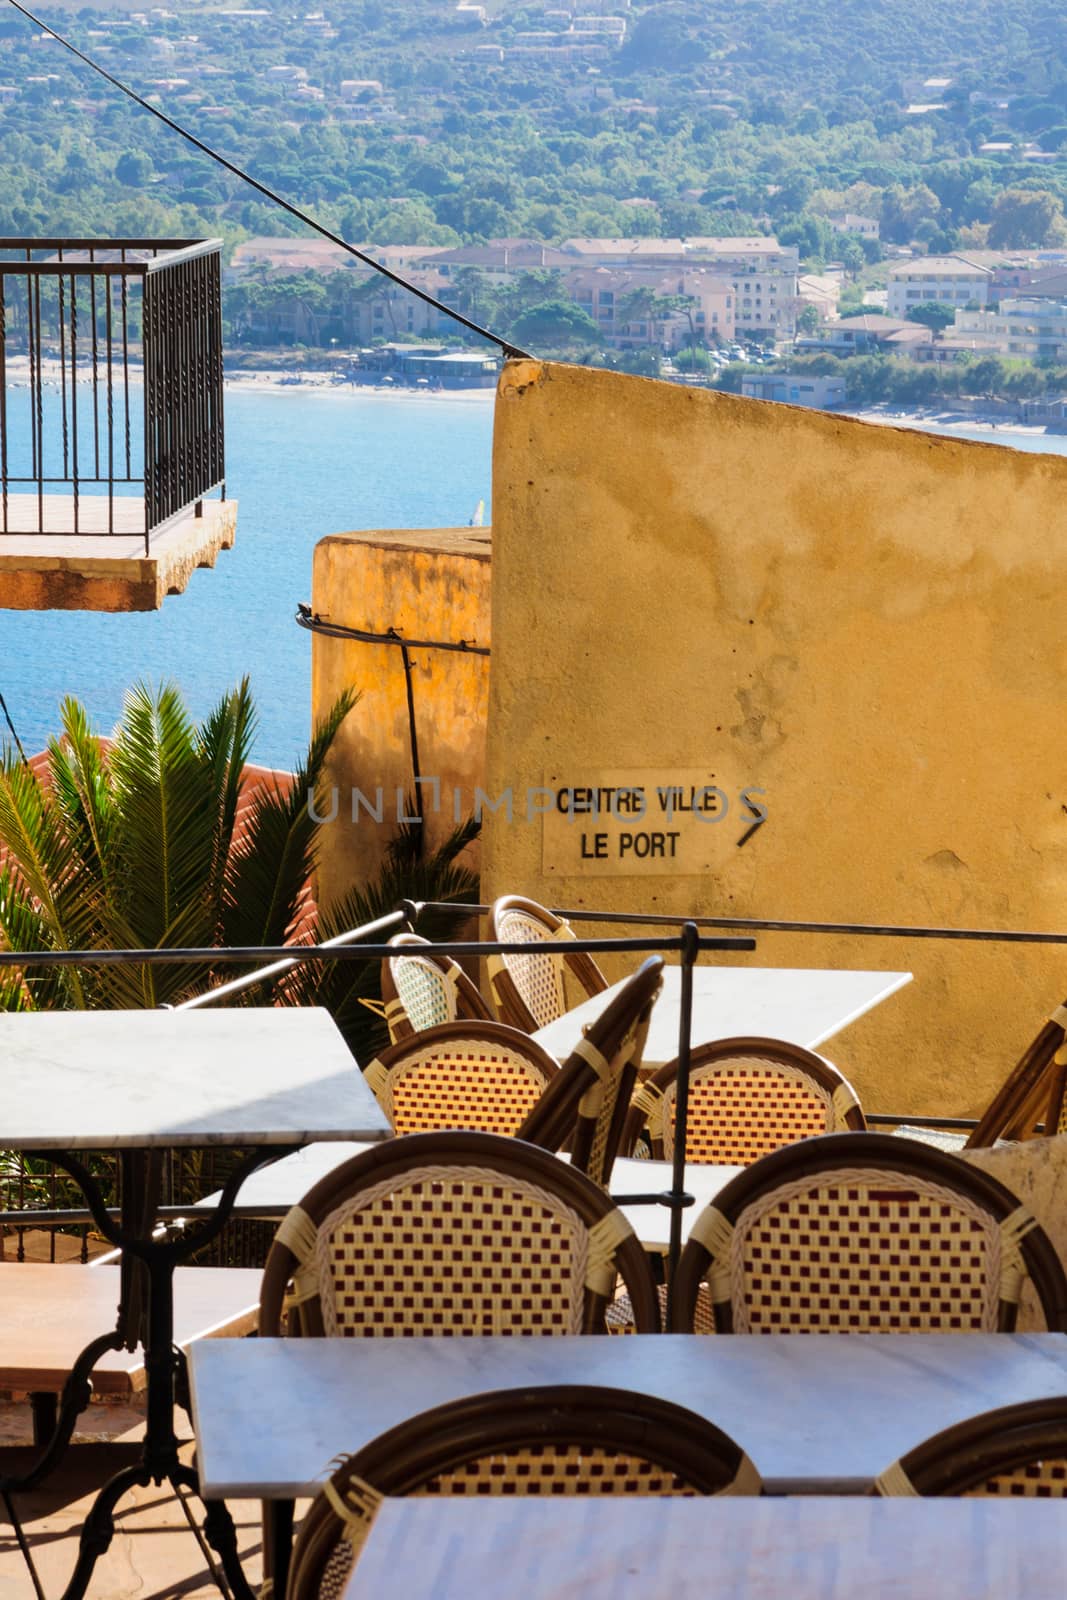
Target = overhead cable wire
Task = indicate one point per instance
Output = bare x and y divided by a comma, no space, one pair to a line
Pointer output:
11,726
510,350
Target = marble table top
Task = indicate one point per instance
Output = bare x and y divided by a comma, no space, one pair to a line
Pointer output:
709,1549
802,1005
818,1414
105,1080
270,1192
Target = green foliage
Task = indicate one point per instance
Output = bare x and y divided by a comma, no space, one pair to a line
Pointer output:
728,119
933,316
136,849
1027,217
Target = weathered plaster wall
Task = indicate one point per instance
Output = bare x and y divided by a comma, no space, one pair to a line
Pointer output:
865,623
431,585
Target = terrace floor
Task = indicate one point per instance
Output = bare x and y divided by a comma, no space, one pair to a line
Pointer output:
153,1555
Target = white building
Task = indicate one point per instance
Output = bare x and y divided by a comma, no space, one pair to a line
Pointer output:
936,280
850,222
1026,329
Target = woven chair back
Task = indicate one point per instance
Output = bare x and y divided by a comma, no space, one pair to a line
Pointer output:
865,1233
530,991
548,1441
747,1098
587,1103
1033,1091
1018,1450
452,1233
421,989
479,1075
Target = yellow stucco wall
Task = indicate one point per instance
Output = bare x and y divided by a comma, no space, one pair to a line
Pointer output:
865,623
429,585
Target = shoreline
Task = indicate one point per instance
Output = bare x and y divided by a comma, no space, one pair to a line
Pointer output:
943,418
254,380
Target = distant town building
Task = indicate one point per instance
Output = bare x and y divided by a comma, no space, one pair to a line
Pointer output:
850,222
862,334
1025,328
795,389
936,280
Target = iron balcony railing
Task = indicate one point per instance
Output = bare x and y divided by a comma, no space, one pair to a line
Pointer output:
110,383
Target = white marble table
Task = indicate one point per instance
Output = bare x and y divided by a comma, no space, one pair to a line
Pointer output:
802,1005
136,1082
270,1192
108,1080
709,1549
818,1414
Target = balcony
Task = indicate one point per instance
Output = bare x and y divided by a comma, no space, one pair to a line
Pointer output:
111,421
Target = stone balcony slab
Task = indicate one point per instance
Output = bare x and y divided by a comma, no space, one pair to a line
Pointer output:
95,570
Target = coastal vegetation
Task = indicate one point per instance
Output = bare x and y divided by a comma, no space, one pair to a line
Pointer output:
410,123
161,838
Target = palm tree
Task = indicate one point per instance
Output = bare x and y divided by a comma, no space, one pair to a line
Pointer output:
136,847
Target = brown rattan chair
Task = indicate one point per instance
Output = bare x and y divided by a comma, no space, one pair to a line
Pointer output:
865,1233
1033,1091
548,1441
586,1103
1018,1450
421,989
452,1233
747,1097
531,991
479,1075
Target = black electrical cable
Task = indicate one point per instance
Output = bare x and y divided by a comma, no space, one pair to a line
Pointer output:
511,351
14,735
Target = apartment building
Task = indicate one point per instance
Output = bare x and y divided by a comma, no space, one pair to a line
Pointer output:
632,310
1026,328
937,280
762,273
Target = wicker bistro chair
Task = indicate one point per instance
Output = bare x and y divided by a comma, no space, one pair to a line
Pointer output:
1018,1450
479,1075
421,989
747,1097
452,1233
586,1102
1033,1090
865,1233
548,1441
530,991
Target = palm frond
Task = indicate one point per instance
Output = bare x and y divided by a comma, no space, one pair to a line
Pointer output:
270,869
65,897
164,796
225,741
342,986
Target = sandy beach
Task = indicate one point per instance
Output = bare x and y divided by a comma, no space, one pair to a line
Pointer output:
943,418
281,381
321,383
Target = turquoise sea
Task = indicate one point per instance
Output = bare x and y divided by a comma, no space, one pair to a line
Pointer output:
301,464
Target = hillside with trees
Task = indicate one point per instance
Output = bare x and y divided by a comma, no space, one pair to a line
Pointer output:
423,122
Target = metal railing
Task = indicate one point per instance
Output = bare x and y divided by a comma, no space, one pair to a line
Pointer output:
111,417
687,945
188,1179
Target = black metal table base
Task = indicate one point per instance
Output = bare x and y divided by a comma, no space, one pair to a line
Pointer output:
145,1316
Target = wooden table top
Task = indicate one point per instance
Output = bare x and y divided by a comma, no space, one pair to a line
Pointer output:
802,1005
50,1312
107,1080
714,1549
817,1413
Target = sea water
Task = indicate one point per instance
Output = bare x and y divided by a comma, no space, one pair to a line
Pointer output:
302,463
